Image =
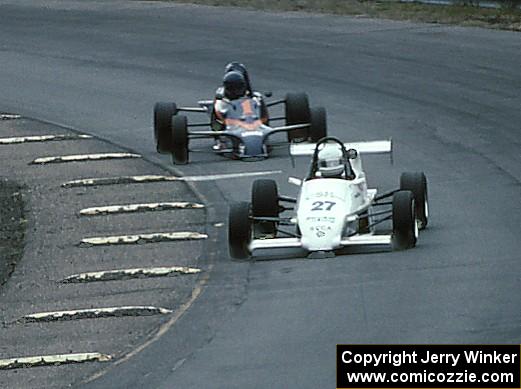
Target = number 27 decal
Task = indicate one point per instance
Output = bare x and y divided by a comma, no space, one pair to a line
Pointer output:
322,205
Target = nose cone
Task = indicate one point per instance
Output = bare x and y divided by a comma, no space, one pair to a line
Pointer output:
321,237
253,146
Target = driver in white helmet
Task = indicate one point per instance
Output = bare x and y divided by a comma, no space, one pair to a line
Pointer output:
331,164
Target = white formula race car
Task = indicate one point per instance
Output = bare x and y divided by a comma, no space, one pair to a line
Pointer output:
331,214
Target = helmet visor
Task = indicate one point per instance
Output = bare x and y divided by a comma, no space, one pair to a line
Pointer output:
235,90
330,163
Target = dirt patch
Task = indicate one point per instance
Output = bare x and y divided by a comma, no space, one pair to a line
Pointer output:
12,227
464,14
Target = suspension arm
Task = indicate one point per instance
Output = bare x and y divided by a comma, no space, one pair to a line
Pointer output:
385,195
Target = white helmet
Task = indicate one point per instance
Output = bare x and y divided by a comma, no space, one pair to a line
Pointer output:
330,161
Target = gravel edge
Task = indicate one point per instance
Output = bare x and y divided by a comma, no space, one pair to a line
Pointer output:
12,227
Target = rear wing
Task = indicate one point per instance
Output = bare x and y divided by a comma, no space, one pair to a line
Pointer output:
371,147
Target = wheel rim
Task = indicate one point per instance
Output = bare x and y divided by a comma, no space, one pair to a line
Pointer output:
422,222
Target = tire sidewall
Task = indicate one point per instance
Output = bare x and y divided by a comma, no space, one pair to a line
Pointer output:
180,139
404,220
239,230
163,113
265,203
318,124
416,182
297,111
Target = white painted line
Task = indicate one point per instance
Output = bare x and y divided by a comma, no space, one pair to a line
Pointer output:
125,274
52,360
129,208
229,175
143,238
83,157
9,116
42,138
159,178
95,313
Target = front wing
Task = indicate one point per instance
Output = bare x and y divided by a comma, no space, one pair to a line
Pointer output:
295,243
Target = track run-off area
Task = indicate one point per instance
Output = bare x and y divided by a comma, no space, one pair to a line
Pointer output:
126,281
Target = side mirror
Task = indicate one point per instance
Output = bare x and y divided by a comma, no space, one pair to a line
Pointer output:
352,154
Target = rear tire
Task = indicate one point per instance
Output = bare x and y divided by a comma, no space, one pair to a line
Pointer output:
417,184
405,229
318,124
297,112
265,203
239,230
179,140
163,113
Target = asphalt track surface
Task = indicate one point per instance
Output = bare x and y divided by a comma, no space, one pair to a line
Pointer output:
448,96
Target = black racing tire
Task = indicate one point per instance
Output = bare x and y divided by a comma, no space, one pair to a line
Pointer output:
180,140
265,203
163,113
239,230
318,124
417,183
297,111
405,229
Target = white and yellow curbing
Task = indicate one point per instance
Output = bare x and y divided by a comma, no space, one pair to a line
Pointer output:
134,273
52,360
42,138
144,207
9,116
142,238
83,158
94,313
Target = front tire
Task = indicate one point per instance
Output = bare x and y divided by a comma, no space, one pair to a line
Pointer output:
417,184
239,230
163,113
179,140
405,228
297,112
265,203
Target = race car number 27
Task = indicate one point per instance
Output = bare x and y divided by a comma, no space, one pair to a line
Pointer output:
322,205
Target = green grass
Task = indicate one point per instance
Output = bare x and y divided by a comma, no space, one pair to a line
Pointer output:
465,15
